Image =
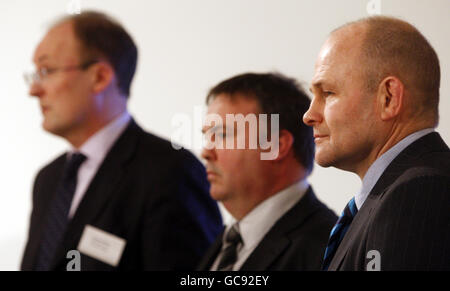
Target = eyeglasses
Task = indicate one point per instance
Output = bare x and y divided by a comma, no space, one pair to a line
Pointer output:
41,74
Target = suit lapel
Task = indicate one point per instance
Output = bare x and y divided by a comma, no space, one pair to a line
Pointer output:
212,253
106,182
46,196
277,239
265,253
356,227
406,159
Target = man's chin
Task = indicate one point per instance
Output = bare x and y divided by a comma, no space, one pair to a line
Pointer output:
52,128
323,161
216,193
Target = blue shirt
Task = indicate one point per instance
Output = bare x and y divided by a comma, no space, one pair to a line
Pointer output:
379,166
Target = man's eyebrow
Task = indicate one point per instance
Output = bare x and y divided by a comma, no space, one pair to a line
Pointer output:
42,58
319,84
315,85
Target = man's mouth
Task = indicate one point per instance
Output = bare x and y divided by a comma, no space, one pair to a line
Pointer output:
320,137
44,109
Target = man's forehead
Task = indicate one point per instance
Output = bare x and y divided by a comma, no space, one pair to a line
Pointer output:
222,105
338,55
332,50
345,41
238,103
59,43
323,73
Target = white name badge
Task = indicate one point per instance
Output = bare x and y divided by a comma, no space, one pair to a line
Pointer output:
101,245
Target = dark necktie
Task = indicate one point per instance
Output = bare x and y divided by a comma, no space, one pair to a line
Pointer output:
229,254
338,232
57,219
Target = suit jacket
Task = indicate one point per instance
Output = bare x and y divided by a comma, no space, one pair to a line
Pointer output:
296,242
406,217
153,196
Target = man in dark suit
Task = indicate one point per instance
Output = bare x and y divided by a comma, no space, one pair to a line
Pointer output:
375,107
278,223
124,198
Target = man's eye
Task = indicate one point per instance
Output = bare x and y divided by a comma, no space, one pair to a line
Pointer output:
43,71
327,93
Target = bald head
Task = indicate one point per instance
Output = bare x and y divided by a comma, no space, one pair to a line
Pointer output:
392,47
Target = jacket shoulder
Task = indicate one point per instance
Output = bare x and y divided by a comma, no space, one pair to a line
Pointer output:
158,147
48,171
413,215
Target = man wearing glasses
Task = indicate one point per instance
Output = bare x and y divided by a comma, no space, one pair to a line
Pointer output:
121,197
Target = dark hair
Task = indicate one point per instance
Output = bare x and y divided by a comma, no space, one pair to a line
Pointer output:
103,37
276,94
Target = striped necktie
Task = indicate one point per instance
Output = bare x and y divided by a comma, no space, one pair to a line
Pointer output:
57,219
338,232
229,254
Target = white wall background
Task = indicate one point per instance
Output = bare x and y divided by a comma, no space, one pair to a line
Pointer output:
186,46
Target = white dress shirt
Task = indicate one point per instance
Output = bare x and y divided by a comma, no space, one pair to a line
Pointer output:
255,225
95,150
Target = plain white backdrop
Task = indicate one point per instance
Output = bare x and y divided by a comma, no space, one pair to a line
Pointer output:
186,46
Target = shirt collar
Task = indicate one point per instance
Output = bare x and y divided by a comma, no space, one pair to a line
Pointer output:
98,145
254,226
379,166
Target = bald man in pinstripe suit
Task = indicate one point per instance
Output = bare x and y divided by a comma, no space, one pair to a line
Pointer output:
375,107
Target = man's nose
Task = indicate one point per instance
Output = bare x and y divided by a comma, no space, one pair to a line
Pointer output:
313,114
36,90
208,154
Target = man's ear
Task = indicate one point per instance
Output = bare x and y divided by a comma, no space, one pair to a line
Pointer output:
285,144
103,75
391,94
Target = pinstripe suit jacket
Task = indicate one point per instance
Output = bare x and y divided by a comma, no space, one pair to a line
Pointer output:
406,217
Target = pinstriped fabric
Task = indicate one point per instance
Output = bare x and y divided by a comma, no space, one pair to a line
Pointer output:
57,218
338,232
410,227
